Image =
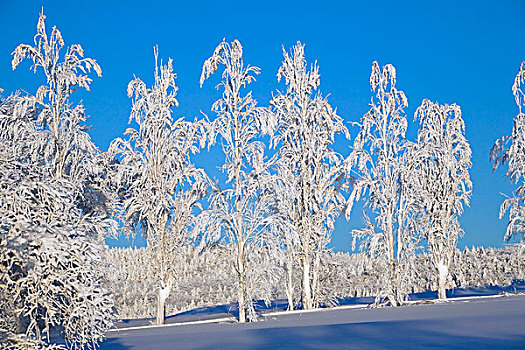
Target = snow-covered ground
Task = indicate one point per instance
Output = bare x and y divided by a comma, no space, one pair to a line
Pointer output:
475,320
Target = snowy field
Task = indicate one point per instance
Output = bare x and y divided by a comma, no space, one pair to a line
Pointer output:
486,322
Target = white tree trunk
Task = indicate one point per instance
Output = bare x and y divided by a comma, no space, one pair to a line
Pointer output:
393,280
242,285
307,290
315,278
289,283
164,292
393,292
442,280
242,306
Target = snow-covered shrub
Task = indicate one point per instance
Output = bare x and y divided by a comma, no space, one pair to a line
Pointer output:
50,258
53,207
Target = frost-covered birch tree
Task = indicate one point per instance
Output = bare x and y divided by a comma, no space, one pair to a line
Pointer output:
511,150
441,162
158,184
68,151
379,163
239,213
63,145
310,173
53,207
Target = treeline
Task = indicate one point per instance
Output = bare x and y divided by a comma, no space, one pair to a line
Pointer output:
263,228
207,280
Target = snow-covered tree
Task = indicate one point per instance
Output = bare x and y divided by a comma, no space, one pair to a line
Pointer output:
53,207
511,150
380,165
239,212
158,185
310,176
62,147
51,258
441,162
68,151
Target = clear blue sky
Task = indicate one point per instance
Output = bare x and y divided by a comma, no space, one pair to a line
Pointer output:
466,52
